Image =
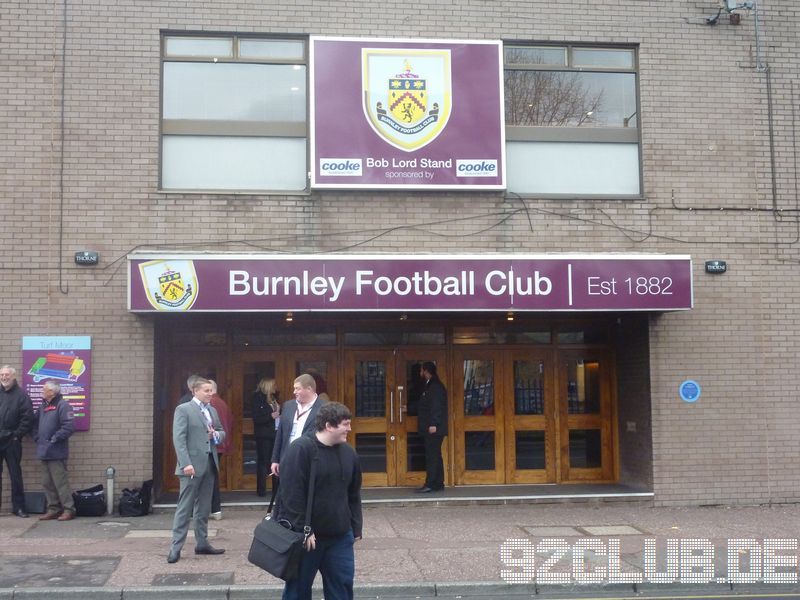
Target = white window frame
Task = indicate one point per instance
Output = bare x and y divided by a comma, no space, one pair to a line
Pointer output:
567,134
232,128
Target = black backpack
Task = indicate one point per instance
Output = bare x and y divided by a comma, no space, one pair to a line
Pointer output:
136,502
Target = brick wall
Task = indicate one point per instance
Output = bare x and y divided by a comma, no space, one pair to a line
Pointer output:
633,401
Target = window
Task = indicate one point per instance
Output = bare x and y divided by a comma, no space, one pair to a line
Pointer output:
233,114
572,125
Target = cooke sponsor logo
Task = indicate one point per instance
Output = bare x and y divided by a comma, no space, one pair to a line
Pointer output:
349,167
476,168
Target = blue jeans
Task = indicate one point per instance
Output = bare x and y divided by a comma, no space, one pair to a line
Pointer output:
335,560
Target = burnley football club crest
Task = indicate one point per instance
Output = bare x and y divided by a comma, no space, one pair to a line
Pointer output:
407,94
170,285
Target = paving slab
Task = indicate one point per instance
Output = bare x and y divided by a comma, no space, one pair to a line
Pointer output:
163,533
56,572
553,531
610,530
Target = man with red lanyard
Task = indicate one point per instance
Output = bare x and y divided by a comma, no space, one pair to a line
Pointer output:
297,417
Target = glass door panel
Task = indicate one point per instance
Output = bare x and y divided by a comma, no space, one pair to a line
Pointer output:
585,449
321,366
585,412
528,387
583,387
370,380
478,421
479,451
530,451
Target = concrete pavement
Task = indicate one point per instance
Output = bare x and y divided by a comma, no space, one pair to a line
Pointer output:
422,550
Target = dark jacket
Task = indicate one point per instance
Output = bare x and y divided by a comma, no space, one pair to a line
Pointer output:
288,411
433,408
52,428
16,414
263,423
337,495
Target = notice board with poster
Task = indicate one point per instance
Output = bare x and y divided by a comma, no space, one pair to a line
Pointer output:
406,114
66,360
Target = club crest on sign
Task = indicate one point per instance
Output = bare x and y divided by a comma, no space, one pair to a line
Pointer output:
170,285
407,94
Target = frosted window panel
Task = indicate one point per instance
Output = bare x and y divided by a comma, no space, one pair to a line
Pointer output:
532,55
572,168
191,46
282,49
593,57
235,92
233,163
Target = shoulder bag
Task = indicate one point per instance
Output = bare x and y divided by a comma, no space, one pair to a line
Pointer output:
276,547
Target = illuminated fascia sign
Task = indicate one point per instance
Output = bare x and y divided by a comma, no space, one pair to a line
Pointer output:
263,283
410,114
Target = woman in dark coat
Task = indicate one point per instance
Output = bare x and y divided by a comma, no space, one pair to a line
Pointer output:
266,411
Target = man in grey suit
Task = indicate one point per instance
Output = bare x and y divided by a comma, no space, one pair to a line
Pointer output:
196,431
297,418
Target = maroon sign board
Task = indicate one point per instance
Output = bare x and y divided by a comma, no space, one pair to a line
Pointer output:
406,114
259,283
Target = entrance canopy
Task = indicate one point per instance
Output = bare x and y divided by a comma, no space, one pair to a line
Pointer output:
165,282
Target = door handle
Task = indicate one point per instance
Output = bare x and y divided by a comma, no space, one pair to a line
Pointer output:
400,406
391,407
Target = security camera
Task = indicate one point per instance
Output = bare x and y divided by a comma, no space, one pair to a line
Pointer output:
732,5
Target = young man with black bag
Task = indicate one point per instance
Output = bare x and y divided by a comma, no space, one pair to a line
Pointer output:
336,519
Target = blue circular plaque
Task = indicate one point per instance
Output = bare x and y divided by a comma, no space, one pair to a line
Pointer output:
690,391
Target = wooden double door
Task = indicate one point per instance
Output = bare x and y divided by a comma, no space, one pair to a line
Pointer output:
382,390
238,377
532,416
516,414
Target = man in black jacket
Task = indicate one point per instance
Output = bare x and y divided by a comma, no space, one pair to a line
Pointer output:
297,418
432,425
336,519
16,420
